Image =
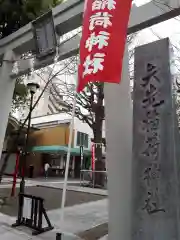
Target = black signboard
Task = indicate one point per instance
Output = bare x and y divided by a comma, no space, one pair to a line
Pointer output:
44,35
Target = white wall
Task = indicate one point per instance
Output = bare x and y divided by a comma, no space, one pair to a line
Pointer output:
60,117
79,126
84,128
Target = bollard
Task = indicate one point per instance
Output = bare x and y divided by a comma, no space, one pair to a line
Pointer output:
58,236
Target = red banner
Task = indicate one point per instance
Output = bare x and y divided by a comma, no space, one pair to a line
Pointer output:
103,41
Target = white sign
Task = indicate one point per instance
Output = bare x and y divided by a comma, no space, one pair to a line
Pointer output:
27,208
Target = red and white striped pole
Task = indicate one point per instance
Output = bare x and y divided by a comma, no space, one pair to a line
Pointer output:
15,174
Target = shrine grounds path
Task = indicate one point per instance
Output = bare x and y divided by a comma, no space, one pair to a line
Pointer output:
51,196
86,213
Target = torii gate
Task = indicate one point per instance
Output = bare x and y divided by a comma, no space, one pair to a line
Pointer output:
67,17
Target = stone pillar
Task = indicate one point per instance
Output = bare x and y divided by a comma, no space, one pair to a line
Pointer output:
118,112
155,180
6,93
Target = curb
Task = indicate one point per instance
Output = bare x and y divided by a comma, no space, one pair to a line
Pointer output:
74,190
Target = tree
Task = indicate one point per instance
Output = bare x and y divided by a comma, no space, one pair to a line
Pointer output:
18,136
89,107
92,99
90,102
20,96
24,11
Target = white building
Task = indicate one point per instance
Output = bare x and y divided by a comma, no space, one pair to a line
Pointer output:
51,143
51,102
61,118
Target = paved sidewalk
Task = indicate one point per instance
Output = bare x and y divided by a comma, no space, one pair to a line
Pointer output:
77,219
54,183
7,233
34,181
7,182
59,185
81,217
104,238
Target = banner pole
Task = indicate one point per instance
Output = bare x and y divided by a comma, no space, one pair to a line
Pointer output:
68,161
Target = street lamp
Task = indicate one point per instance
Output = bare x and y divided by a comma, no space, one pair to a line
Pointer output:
32,87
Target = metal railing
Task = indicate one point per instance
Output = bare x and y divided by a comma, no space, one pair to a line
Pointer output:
31,212
88,177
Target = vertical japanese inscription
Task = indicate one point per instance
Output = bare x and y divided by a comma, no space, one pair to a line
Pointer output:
155,191
98,39
150,126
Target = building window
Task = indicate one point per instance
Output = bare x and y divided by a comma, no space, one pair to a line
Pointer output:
78,138
86,140
82,139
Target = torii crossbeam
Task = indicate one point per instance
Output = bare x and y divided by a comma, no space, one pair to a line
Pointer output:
68,16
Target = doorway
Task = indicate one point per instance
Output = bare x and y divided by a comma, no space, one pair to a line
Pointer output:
77,167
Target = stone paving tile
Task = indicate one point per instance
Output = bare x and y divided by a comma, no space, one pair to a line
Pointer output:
22,233
94,233
104,238
8,233
18,235
52,236
77,219
12,236
3,229
81,217
52,198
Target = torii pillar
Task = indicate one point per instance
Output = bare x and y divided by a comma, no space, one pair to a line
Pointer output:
7,85
118,114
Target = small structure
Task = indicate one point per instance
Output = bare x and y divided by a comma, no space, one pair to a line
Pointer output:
51,145
12,128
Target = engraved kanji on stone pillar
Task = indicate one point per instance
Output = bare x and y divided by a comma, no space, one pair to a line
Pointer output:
155,179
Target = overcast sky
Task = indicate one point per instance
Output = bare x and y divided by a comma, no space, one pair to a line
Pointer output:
170,28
